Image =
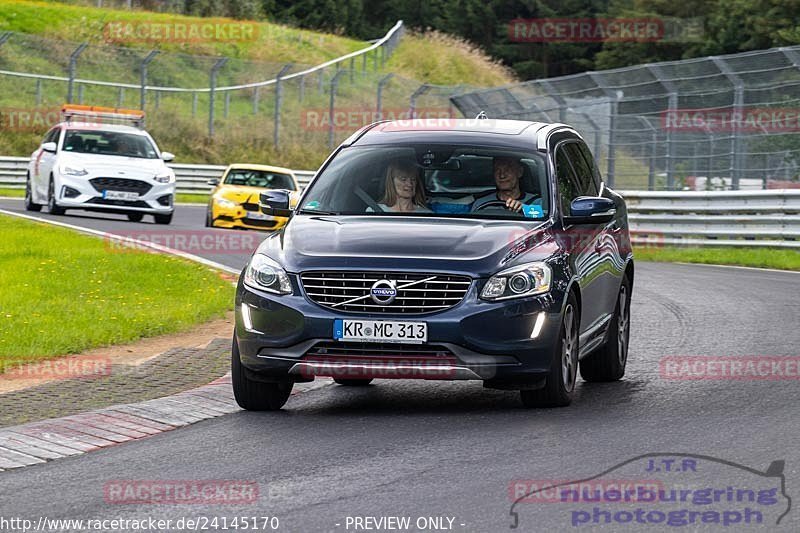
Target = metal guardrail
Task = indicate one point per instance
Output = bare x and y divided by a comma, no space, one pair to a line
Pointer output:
192,179
682,218
724,218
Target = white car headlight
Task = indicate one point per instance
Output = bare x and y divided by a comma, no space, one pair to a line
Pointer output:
224,202
529,279
73,170
165,177
267,275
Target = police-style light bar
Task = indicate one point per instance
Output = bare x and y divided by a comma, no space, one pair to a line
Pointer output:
105,115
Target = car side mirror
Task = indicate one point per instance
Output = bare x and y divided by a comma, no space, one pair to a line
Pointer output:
213,182
590,210
275,202
167,156
49,147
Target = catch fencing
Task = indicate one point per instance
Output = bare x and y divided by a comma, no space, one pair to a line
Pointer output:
723,122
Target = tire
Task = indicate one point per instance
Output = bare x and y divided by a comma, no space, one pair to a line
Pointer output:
608,362
135,217
163,219
256,395
52,205
353,382
29,203
560,384
209,220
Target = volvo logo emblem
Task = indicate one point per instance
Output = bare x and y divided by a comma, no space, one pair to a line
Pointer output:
383,292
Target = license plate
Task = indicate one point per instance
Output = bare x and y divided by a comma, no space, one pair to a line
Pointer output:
120,195
380,331
258,216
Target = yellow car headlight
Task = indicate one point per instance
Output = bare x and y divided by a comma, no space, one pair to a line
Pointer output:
225,203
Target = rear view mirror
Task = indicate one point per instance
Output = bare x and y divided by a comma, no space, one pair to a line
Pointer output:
49,147
275,202
167,156
590,210
213,182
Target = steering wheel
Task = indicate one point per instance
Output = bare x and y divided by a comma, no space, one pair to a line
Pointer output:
493,204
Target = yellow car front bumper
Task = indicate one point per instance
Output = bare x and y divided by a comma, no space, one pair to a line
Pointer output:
238,217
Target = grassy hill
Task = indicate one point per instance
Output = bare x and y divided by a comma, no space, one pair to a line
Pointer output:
47,32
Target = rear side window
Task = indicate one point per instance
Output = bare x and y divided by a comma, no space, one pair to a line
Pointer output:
585,177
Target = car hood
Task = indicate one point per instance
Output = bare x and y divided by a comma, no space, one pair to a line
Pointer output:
472,247
119,166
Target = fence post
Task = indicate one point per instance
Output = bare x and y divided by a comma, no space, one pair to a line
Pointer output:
364,64
613,103
332,125
278,99
412,101
143,77
158,98
379,104
120,96
651,171
73,63
38,92
255,100
352,69
738,101
194,103
227,104
80,93
302,89
212,87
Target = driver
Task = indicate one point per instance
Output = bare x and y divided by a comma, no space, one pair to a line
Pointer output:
507,174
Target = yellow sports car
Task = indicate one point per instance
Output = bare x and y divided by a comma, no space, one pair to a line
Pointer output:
234,200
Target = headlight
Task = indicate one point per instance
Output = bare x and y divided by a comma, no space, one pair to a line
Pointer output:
166,177
223,202
265,274
519,281
73,171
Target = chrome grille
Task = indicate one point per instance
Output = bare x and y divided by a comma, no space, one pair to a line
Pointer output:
429,292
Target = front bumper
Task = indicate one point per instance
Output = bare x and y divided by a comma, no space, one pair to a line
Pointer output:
239,217
490,341
78,193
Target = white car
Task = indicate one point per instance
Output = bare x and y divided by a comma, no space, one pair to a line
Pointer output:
96,166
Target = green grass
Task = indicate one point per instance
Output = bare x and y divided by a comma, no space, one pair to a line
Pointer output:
750,257
62,292
15,193
191,198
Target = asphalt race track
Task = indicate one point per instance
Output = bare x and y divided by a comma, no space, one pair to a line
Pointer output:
454,449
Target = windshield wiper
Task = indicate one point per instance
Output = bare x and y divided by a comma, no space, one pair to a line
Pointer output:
317,212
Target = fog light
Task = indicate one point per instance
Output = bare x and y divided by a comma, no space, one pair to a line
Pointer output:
247,319
69,192
537,326
165,200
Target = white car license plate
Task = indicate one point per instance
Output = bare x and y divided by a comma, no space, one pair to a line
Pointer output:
380,331
255,215
120,195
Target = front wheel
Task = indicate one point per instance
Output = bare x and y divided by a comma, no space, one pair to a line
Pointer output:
52,205
163,219
135,217
608,362
256,395
30,205
560,385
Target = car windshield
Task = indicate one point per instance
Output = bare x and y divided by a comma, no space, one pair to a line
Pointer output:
109,143
431,180
259,178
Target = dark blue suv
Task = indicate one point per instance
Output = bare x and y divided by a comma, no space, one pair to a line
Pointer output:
452,249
